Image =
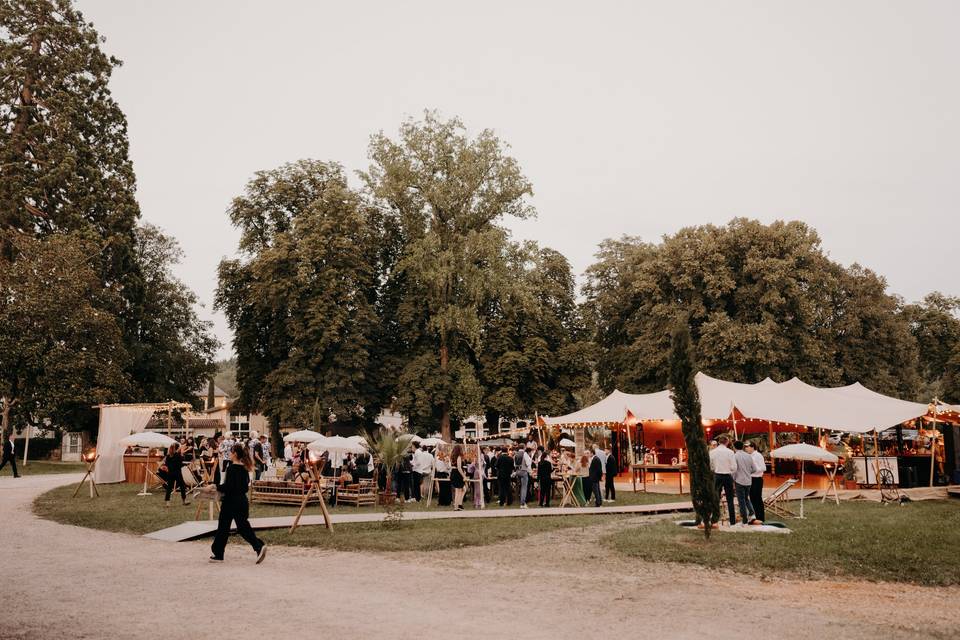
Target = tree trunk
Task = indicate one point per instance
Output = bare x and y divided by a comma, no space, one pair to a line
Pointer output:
5,429
445,432
18,135
276,438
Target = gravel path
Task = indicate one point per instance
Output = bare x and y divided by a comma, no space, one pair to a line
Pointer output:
64,581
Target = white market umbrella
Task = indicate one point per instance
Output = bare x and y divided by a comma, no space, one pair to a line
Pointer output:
148,440
431,442
803,452
336,443
567,442
302,436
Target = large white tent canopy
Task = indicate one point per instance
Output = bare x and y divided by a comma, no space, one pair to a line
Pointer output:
853,409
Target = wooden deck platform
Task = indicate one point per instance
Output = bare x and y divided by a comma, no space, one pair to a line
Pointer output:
194,529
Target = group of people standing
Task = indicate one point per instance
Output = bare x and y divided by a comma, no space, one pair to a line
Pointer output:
738,472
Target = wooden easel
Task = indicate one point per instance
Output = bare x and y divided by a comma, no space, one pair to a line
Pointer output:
91,465
832,478
314,486
568,495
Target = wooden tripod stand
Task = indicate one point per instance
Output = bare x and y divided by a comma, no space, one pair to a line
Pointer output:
314,486
91,465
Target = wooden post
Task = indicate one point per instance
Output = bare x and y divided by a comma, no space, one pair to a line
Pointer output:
773,445
876,456
933,442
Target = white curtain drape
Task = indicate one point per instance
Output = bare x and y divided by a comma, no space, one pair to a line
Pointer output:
117,423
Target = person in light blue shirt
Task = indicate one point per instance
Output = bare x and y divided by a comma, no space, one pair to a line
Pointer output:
743,480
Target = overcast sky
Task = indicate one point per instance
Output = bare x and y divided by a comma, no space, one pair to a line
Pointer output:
628,117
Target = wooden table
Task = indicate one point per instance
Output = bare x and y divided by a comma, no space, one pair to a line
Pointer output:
642,469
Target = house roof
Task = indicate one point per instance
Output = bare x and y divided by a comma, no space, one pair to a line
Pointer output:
206,423
202,391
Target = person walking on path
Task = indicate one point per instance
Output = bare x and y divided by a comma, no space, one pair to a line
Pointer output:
611,471
234,506
742,478
756,484
724,465
174,476
596,476
10,455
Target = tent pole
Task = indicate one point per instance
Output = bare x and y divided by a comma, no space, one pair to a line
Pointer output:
876,456
803,466
933,442
772,445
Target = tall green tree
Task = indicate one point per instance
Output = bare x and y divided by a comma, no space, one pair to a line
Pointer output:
686,402
762,300
533,355
935,324
302,299
171,350
66,170
63,138
59,352
447,192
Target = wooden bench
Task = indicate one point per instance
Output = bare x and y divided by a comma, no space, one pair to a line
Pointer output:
362,493
281,492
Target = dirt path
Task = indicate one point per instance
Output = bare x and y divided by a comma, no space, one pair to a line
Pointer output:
63,581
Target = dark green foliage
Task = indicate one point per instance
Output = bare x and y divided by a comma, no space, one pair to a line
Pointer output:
686,402
302,300
445,194
59,352
66,172
762,300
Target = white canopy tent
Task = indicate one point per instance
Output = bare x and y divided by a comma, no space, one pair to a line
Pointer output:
117,422
853,409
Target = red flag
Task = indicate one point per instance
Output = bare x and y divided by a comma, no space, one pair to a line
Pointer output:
630,420
540,421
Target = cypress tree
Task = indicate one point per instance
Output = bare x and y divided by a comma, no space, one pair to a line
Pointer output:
686,402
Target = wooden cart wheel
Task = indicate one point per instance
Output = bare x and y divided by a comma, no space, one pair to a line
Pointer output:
888,488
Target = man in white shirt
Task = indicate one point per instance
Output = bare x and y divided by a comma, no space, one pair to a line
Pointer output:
756,487
524,469
724,465
423,465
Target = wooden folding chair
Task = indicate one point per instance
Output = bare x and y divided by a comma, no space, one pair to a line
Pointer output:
776,501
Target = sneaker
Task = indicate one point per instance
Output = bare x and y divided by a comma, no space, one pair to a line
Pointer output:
523,506
166,504
215,560
262,554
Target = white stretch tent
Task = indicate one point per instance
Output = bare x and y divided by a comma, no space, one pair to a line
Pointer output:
115,424
853,409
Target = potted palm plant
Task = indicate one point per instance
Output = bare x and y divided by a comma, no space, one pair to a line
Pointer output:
389,446
849,474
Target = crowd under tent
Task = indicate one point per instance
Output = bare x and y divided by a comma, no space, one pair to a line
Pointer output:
766,407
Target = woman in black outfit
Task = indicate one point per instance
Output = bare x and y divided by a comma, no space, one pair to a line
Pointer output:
457,478
234,506
174,464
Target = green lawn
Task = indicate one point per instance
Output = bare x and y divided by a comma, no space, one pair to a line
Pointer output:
119,509
43,467
915,543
